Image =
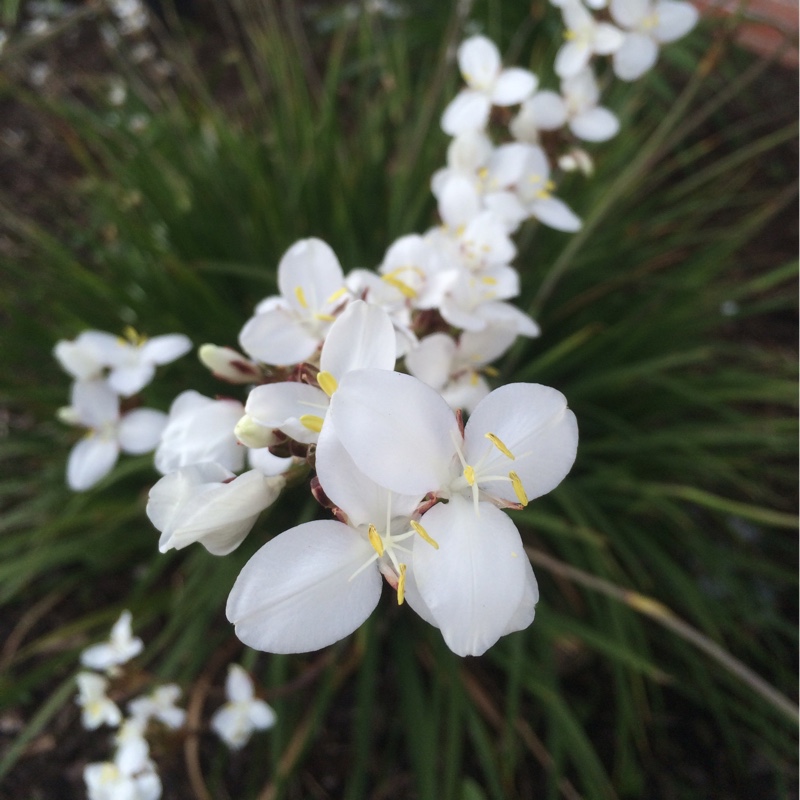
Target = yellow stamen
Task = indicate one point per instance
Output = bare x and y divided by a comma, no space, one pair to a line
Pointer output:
469,474
312,422
488,280
473,378
324,317
497,442
543,194
569,35
424,534
519,489
301,296
375,540
483,173
492,372
327,383
336,295
401,287
401,585
131,335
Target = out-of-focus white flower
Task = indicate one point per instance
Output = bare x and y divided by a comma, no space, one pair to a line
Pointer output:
243,714
544,111
160,705
95,406
586,119
132,15
121,647
200,429
648,24
288,329
88,355
584,37
117,92
488,84
207,503
228,364
107,781
577,159
97,708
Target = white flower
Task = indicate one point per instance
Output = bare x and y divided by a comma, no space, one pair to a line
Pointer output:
243,714
107,781
544,111
648,24
97,708
200,429
584,37
488,84
160,705
229,365
288,329
121,647
519,443
88,355
206,503
586,119
95,406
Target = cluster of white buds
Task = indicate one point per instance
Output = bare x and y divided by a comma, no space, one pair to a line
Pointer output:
364,379
131,773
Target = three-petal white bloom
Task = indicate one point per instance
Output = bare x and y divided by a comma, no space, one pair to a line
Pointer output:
584,37
96,707
121,647
488,84
243,713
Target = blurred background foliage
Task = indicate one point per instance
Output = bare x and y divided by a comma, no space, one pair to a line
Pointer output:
662,662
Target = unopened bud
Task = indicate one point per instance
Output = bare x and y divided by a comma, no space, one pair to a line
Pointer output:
577,159
68,415
253,434
229,365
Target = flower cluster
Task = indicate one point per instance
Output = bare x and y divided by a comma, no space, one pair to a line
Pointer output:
132,773
373,383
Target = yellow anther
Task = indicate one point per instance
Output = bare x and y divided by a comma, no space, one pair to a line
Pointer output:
131,335
492,372
489,280
402,287
375,540
533,178
469,474
301,296
327,383
569,35
550,185
401,585
483,173
312,422
324,317
336,295
424,534
543,194
519,489
473,378
497,442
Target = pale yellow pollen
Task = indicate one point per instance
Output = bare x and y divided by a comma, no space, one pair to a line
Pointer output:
327,383
469,474
492,372
312,422
489,280
324,317
498,443
424,534
301,296
132,336
473,378
519,489
375,540
336,295
401,585
404,288
483,173
569,35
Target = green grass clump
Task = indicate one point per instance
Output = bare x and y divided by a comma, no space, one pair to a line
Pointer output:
664,643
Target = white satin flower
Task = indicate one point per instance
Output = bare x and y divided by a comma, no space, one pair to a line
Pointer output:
584,37
160,704
648,25
121,647
243,713
96,707
586,119
95,406
288,329
488,84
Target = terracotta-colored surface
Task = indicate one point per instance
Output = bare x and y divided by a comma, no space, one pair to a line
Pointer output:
766,27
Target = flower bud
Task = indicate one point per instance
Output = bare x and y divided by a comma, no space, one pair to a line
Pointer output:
252,434
577,159
228,365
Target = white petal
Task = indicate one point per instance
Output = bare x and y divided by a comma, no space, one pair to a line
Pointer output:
469,152
513,86
475,581
526,610
629,13
556,214
548,110
79,361
534,423
298,593
90,460
140,430
311,266
268,464
362,337
636,56
467,111
505,166
396,429
128,380
595,125
479,61
675,19
505,315
238,684
281,405
276,337
571,58
165,349
227,722
95,403
458,201
607,39
261,715
432,359
465,391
